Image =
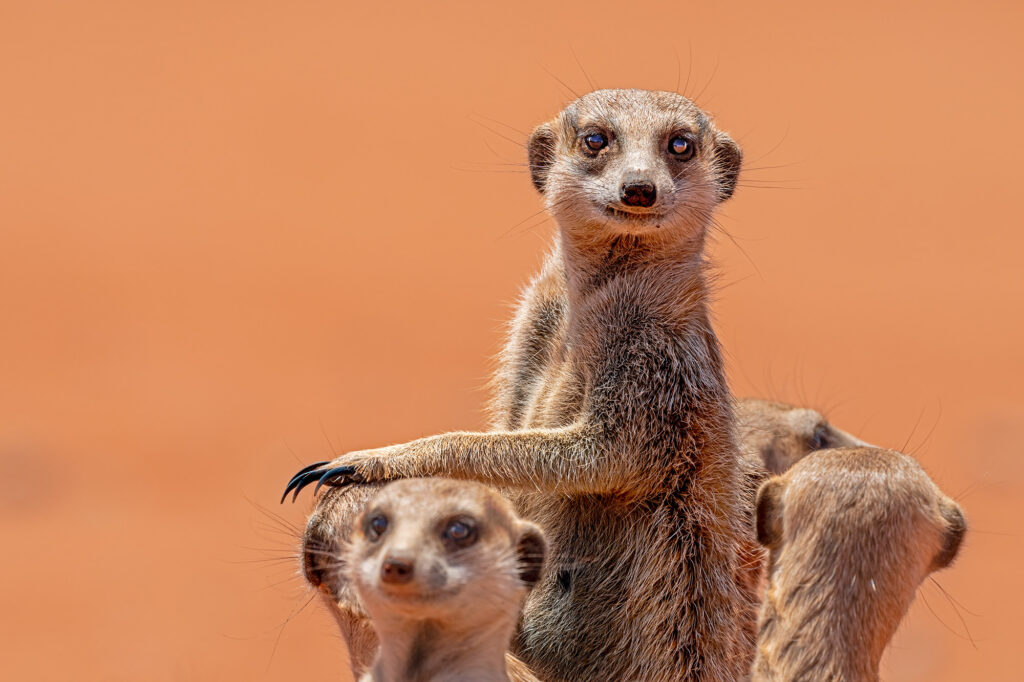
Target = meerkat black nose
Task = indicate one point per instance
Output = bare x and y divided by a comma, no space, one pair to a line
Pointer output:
638,193
396,571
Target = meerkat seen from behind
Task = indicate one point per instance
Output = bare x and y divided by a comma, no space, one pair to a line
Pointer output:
851,534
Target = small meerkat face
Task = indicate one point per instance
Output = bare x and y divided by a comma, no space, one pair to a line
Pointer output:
434,547
635,162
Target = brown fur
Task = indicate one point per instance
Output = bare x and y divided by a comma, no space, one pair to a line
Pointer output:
852,533
780,435
452,613
613,421
773,436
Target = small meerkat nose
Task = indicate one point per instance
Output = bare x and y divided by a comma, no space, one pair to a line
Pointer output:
638,193
396,571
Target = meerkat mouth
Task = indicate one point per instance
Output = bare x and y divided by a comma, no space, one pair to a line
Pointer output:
632,216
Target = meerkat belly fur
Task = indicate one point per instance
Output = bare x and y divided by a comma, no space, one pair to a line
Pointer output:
613,421
851,533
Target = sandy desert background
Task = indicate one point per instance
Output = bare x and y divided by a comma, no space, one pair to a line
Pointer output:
236,237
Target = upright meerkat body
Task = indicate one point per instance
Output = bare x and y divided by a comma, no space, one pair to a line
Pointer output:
441,567
851,534
613,421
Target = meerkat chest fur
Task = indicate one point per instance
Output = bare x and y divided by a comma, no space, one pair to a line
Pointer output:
637,355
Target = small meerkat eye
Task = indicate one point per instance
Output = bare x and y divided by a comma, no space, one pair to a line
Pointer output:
377,526
681,147
819,438
460,533
595,142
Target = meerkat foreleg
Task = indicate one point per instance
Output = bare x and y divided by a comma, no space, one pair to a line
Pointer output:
570,459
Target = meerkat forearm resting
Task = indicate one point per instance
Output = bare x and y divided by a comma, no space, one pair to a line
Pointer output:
566,459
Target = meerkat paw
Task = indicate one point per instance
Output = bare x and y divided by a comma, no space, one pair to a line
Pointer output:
352,468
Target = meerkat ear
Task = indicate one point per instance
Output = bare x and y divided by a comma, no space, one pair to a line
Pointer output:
956,528
531,549
541,149
769,512
727,162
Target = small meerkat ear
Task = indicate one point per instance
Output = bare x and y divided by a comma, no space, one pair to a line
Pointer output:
769,512
727,162
531,549
956,528
541,149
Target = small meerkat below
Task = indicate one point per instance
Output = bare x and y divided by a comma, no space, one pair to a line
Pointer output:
612,419
851,533
442,568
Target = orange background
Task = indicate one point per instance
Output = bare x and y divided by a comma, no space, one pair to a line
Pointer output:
237,237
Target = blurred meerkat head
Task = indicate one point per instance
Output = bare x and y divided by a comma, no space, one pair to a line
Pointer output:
781,434
443,549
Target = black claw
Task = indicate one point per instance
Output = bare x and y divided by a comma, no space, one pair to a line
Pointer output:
336,472
297,478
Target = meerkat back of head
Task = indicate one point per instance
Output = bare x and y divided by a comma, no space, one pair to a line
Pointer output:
442,567
851,534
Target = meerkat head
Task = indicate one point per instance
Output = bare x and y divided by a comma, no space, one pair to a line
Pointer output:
633,162
857,529
782,434
438,548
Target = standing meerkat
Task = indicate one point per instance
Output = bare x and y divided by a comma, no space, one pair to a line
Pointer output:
613,425
851,534
442,567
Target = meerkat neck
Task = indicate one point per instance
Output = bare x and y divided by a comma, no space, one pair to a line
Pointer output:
834,637
666,268
435,652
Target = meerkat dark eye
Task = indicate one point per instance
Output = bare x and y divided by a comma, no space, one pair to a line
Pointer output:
595,142
377,526
819,438
459,533
681,147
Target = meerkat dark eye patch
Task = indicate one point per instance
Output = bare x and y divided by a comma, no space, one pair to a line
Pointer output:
376,525
459,533
681,148
595,142
819,438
